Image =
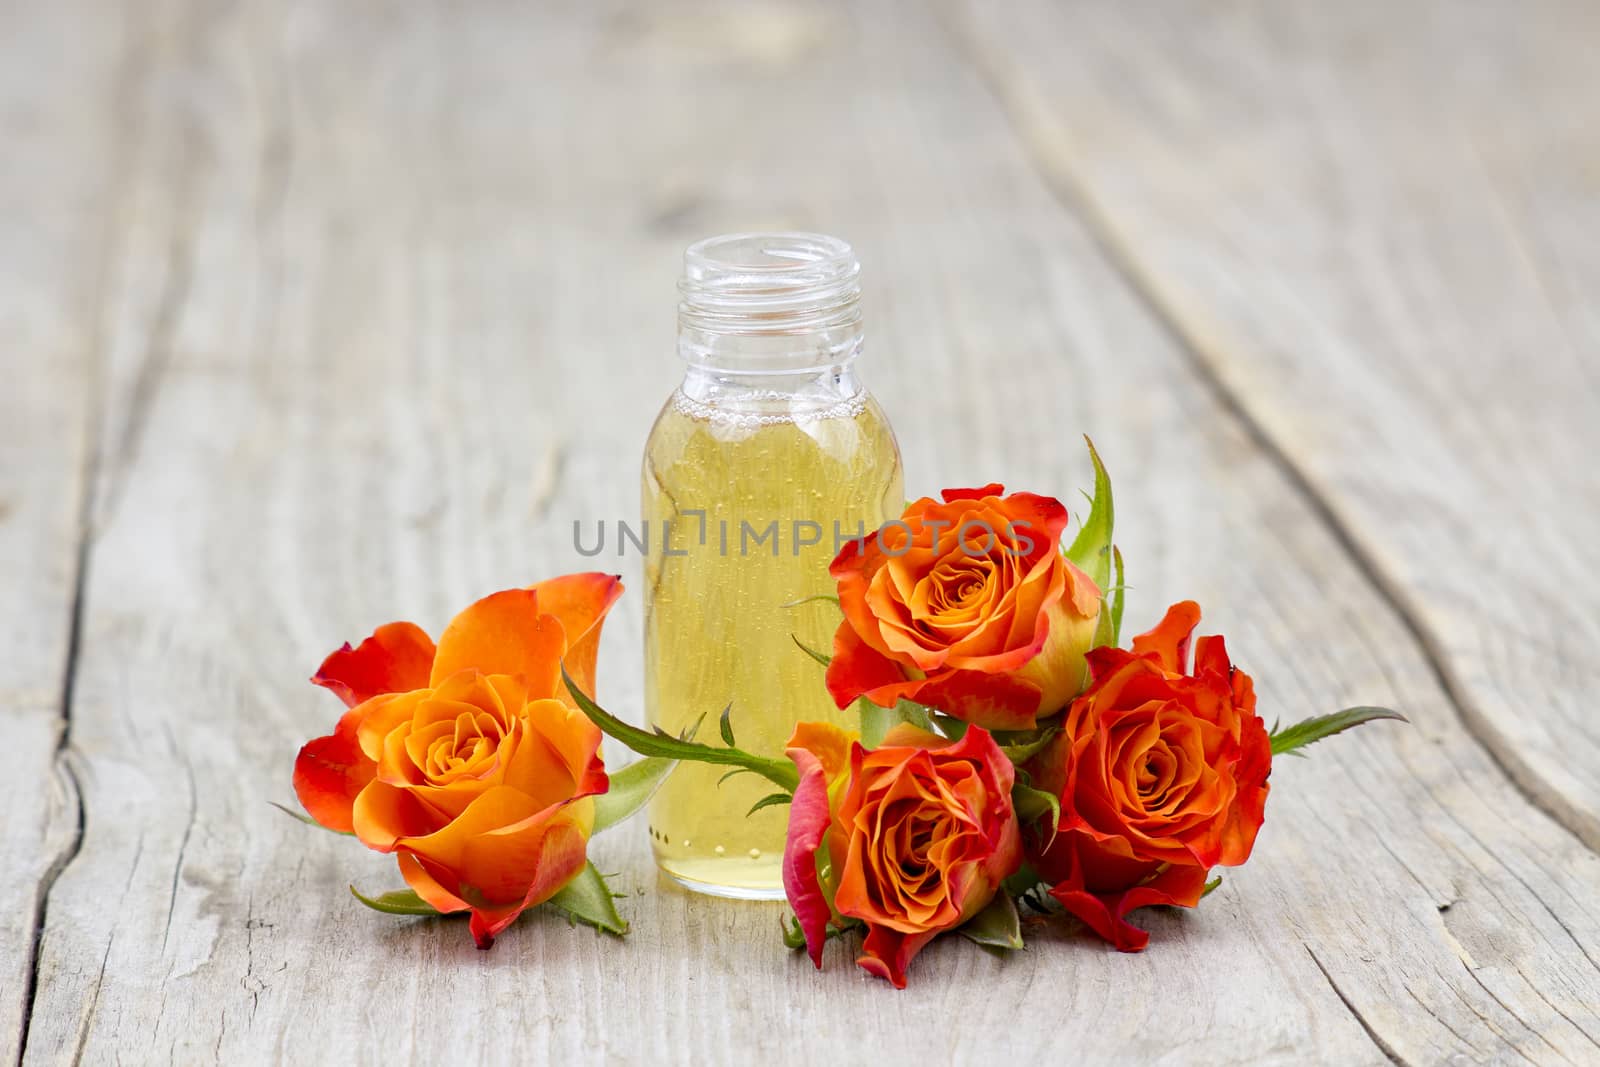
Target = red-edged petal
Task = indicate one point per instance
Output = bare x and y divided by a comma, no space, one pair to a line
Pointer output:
992,489
808,821
329,773
857,669
1170,637
993,701
1105,911
579,602
887,953
395,659
1041,518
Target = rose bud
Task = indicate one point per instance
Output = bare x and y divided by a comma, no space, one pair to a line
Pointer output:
915,837
1162,774
470,761
967,606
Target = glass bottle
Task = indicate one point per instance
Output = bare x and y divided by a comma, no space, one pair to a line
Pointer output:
766,459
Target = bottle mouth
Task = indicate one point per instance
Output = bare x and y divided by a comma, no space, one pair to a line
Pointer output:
769,284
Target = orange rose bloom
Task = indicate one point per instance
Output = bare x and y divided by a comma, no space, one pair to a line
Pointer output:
967,606
1162,774
920,833
470,762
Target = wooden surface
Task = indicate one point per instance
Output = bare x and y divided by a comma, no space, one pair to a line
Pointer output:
318,315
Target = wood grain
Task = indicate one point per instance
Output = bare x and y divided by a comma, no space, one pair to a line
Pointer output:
391,306
59,146
1374,229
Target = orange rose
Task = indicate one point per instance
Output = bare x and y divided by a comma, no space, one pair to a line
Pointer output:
1162,774
967,606
470,761
920,833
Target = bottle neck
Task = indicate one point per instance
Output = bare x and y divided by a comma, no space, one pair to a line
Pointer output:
770,320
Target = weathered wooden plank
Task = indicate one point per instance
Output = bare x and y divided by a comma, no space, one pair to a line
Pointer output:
399,266
1375,226
54,194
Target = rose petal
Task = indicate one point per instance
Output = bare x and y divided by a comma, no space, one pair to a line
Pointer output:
383,814
330,773
580,603
426,886
505,852
820,752
1169,639
887,953
993,701
395,658
504,633
992,489
858,669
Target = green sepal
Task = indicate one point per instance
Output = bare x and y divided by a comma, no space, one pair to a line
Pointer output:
630,788
1090,551
1115,599
725,726
876,721
1309,731
996,926
953,728
1024,750
1032,804
396,902
768,801
308,820
794,937
588,900
820,657
1023,881
1211,885
658,743
1108,627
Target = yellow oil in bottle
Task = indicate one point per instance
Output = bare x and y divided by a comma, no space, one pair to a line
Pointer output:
717,630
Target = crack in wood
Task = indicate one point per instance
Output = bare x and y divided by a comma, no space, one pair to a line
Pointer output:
63,767
1383,1046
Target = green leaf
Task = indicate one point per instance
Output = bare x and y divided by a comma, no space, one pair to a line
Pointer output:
736,770
1091,549
813,653
308,820
1211,885
1022,751
726,726
647,743
396,902
876,721
768,801
630,788
588,900
809,599
997,925
1310,731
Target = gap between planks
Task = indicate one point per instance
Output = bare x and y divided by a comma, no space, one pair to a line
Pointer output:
1030,122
